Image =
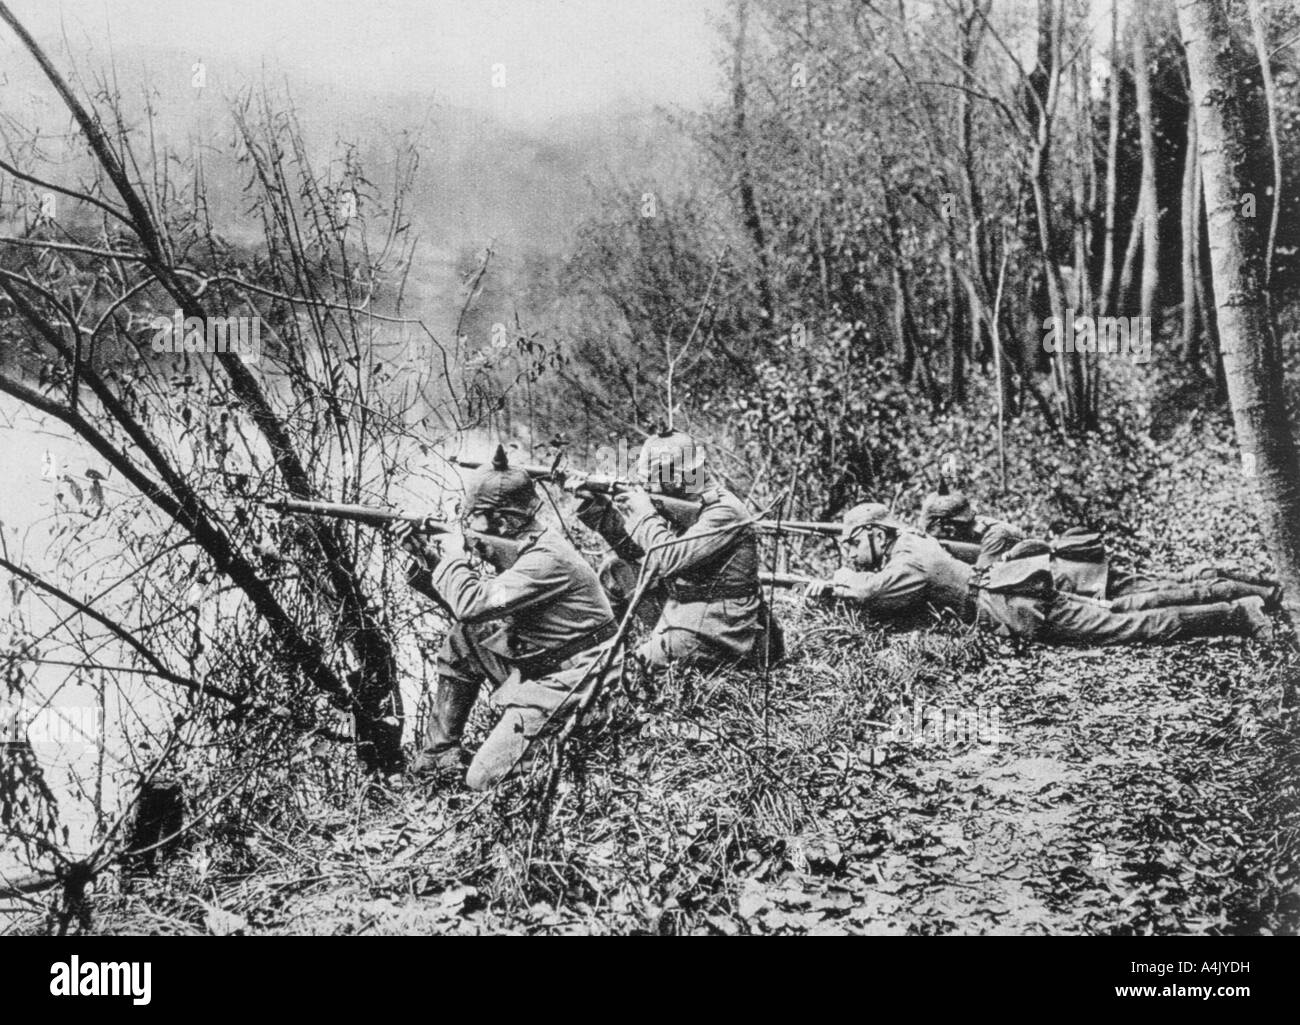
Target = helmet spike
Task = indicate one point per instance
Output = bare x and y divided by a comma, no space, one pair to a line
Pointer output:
499,459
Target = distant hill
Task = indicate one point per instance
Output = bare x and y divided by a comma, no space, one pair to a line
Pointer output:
483,178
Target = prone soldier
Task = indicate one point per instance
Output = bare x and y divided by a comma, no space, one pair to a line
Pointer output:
894,569
1079,564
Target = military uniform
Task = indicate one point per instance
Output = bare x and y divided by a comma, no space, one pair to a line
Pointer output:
702,574
1079,564
714,611
536,633
1018,599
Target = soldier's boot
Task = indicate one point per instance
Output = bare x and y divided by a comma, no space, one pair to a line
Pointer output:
443,754
1207,570
1204,591
1257,623
1244,617
1269,593
1231,587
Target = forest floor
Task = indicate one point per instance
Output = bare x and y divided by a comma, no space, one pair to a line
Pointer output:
881,781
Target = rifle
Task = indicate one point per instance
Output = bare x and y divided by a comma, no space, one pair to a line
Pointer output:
375,516
963,550
786,579
598,484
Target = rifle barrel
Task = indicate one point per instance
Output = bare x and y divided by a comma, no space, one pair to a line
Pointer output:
785,579
597,483
798,527
340,511
962,550
377,516
536,472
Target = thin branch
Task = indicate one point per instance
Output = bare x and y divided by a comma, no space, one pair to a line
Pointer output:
120,631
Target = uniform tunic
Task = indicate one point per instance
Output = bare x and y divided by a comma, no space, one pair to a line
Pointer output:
713,613
531,632
1019,599
1093,577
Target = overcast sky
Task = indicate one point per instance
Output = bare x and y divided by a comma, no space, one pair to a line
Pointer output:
560,56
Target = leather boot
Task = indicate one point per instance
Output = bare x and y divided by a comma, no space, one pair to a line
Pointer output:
1203,591
1205,571
452,703
1255,619
1244,618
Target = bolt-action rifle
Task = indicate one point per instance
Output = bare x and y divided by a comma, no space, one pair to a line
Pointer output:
597,484
767,579
963,550
375,516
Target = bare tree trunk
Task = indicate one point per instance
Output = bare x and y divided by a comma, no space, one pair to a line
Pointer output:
1251,356
1270,101
958,319
905,333
1043,89
1191,232
1203,281
1112,156
1151,211
973,23
1084,182
748,203
1124,288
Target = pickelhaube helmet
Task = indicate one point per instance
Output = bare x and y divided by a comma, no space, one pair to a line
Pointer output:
869,514
954,507
498,487
672,459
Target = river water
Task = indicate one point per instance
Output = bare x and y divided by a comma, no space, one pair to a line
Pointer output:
90,729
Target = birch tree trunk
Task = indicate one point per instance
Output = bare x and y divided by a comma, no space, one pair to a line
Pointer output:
1251,356
1191,238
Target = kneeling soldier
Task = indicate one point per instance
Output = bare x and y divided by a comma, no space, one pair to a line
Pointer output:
713,611
535,632
895,570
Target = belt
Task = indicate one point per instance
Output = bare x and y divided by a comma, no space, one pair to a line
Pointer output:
544,663
709,592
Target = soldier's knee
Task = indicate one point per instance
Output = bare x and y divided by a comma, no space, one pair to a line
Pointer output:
652,654
504,751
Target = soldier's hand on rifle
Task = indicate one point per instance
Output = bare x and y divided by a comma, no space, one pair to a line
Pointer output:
403,532
635,503
819,590
453,545
594,511
847,583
